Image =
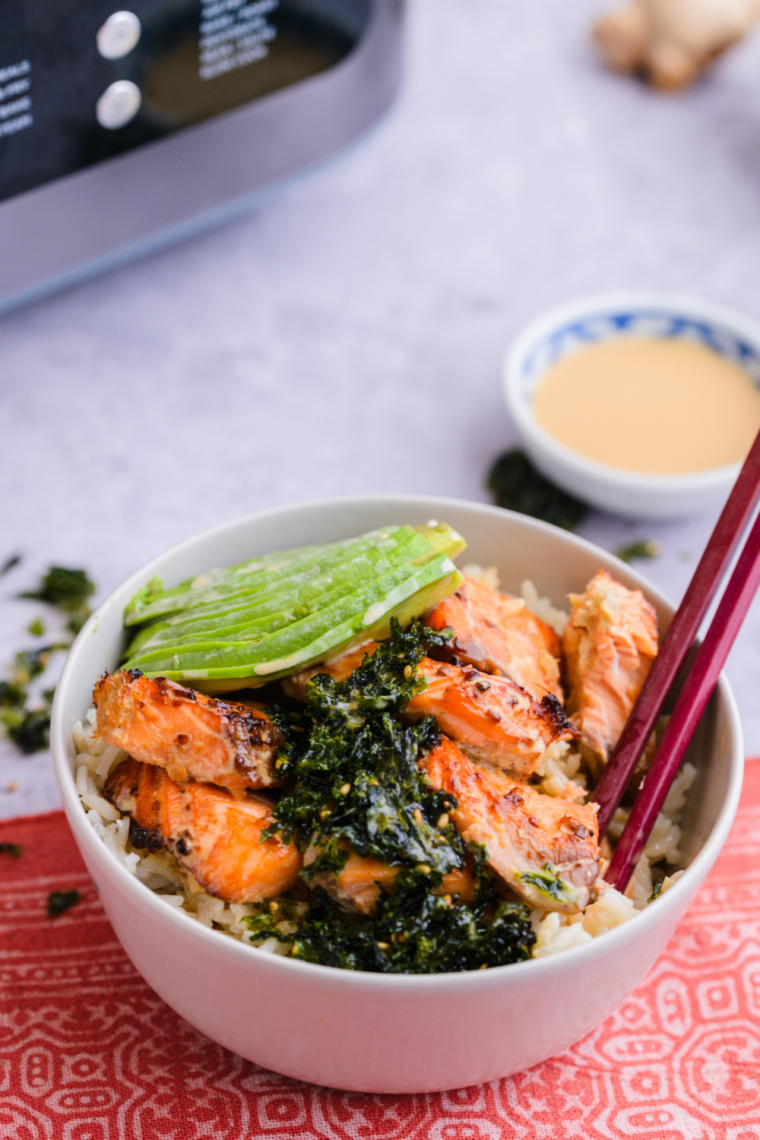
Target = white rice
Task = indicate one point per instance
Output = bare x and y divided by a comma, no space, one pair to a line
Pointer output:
543,608
487,575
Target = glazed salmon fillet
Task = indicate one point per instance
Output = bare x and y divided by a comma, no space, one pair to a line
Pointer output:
498,634
544,848
213,835
357,887
193,736
610,642
490,717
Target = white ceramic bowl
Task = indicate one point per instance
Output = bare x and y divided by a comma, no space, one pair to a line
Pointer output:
611,316
382,1033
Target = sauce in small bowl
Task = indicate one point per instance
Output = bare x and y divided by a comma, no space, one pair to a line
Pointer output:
642,404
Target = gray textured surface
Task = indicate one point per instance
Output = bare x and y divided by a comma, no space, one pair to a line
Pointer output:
348,336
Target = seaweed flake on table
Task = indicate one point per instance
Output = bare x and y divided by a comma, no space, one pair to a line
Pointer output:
10,564
29,727
67,590
58,902
517,485
639,549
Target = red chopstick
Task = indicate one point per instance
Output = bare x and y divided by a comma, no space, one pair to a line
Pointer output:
691,703
683,629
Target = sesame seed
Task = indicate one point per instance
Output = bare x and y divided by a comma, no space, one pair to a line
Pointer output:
424,868
383,946
418,817
407,671
443,820
345,789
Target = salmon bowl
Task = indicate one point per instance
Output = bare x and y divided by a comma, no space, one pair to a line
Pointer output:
364,1029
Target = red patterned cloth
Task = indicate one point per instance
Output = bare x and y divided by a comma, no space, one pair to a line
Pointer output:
89,1052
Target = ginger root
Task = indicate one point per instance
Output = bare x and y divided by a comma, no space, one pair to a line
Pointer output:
672,41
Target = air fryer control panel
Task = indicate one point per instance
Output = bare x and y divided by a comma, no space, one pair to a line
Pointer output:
84,80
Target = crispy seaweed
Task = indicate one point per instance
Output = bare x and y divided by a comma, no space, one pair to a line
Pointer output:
516,485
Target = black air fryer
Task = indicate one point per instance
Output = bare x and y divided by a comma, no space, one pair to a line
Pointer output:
121,129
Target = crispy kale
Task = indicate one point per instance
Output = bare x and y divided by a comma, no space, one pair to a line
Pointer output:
412,931
354,761
60,901
516,485
11,694
29,730
10,564
657,890
30,663
356,786
641,548
547,881
68,590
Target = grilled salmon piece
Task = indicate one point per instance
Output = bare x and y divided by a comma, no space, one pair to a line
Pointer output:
544,848
498,634
610,643
193,736
340,667
357,887
490,717
213,835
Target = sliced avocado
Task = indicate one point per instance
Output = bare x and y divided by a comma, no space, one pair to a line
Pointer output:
154,601
256,622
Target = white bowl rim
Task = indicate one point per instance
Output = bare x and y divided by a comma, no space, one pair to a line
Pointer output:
472,979
677,304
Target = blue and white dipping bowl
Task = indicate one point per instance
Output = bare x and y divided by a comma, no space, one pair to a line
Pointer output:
610,316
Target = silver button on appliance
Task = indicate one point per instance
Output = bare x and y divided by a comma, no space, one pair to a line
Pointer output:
118,104
118,35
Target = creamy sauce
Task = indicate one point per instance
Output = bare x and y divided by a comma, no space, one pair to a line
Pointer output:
659,406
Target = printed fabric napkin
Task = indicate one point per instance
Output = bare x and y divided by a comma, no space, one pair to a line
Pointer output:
89,1052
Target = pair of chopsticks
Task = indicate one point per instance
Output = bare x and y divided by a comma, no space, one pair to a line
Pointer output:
701,680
